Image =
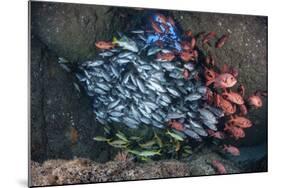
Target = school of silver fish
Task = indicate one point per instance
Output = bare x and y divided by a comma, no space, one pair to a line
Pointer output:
131,85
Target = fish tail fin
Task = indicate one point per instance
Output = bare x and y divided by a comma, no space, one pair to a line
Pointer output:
114,40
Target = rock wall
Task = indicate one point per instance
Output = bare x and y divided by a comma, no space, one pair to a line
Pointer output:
62,122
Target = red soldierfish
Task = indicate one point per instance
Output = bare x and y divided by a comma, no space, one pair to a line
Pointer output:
240,121
187,55
224,80
165,56
219,167
233,97
208,37
156,27
236,132
176,125
216,134
255,101
232,150
221,41
104,45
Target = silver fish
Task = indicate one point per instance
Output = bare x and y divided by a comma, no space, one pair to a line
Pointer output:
173,91
166,98
157,124
130,86
156,117
144,113
65,67
189,66
145,120
175,115
62,60
119,107
113,104
130,120
210,125
151,105
116,119
153,50
126,78
200,131
122,61
192,134
206,114
195,124
133,79
114,71
137,31
93,63
202,90
192,97
157,86
116,114
140,85
103,86
76,86
163,103
99,91
124,55
218,112
168,66
145,67
106,54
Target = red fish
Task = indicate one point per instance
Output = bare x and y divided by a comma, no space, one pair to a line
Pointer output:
171,21
216,134
159,43
232,150
209,74
209,96
230,70
193,42
188,33
104,45
236,132
221,41
243,109
187,55
224,80
156,27
239,121
233,97
208,37
165,56
210,60
255,101
186,45
161,18
219,167
225,105
176,125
